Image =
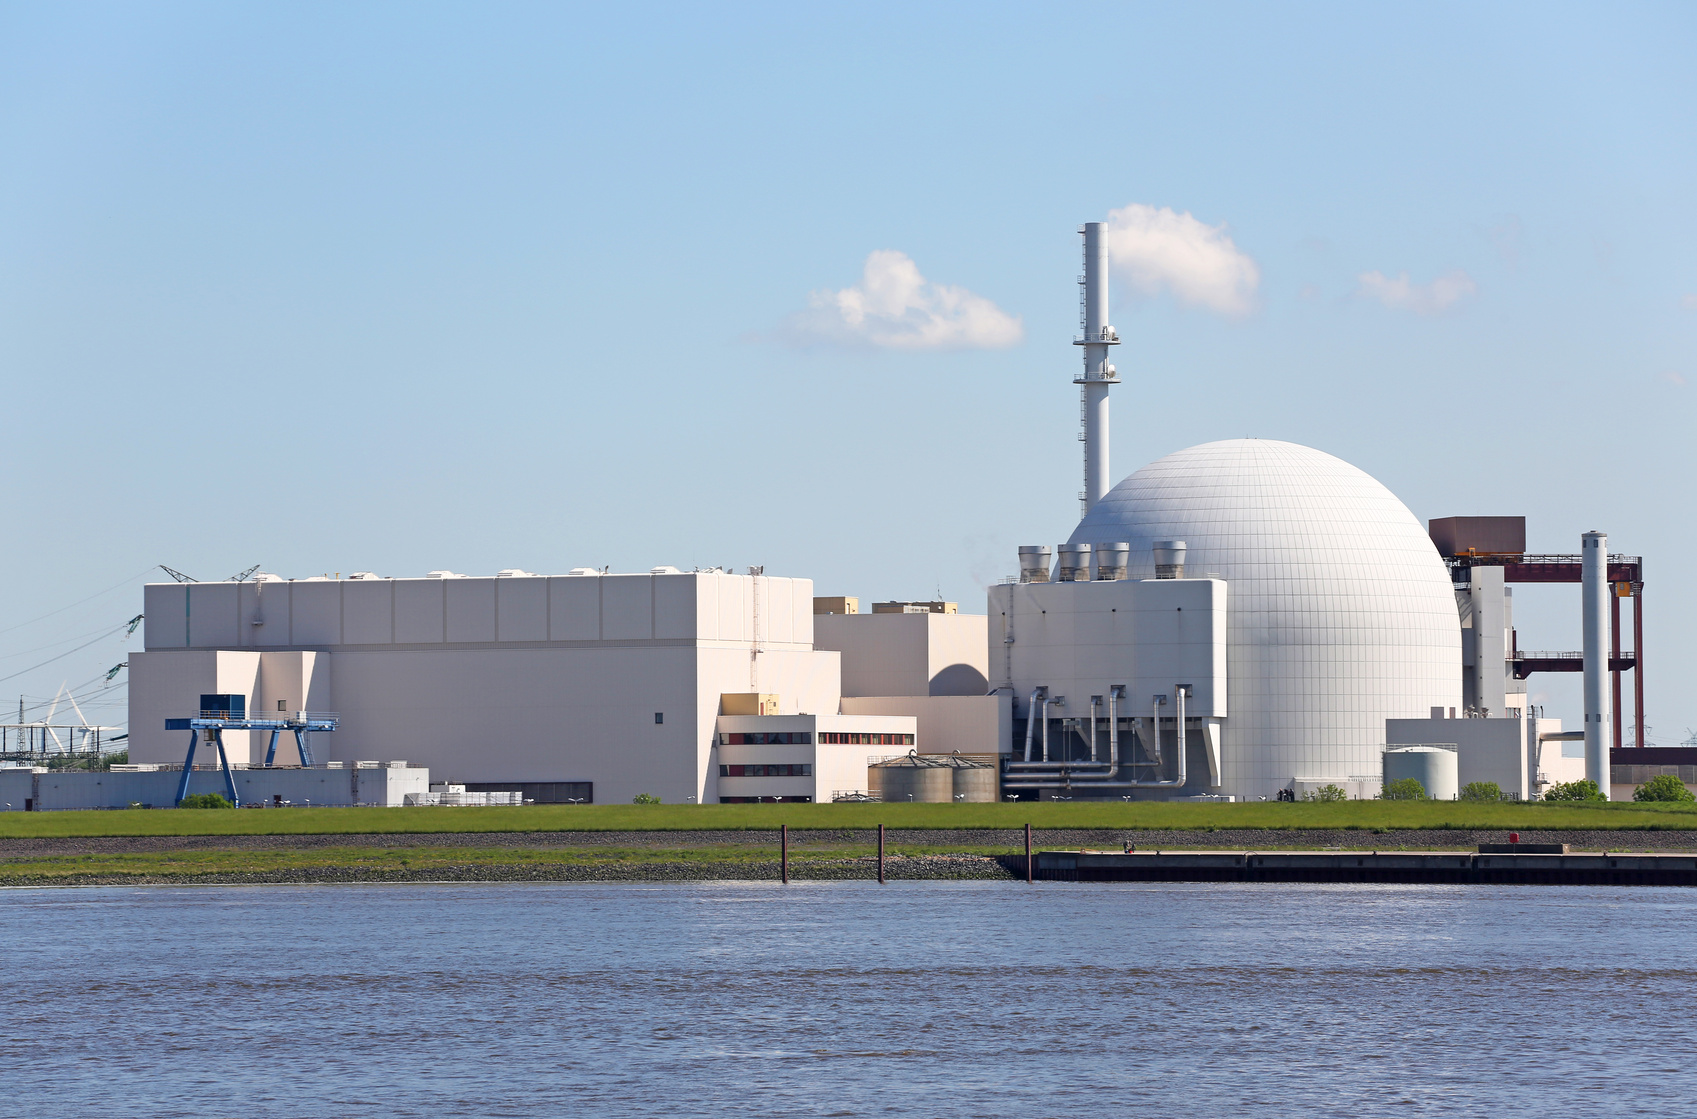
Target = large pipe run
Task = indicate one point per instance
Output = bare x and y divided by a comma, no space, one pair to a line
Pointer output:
1025,780
1097,336
1594,579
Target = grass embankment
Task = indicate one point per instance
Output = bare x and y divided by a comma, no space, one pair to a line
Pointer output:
376,863
1368,815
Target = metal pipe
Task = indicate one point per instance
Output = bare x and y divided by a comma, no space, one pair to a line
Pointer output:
1046,727
1030,721
1594,579
1114,726
1095,702
1104,781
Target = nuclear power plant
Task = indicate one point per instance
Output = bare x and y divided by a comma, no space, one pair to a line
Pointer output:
1244,619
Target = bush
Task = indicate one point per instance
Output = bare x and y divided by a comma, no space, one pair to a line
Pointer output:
1406,788
1665,787
204,800
645,798
1584,789
1482,790
1325,794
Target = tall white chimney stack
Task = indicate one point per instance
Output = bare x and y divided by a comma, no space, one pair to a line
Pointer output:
1599,718
1096,337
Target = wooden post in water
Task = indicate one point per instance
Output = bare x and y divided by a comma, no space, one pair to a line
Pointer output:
880,854
784,851
1028,852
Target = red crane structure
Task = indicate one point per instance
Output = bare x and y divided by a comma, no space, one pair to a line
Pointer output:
1468,542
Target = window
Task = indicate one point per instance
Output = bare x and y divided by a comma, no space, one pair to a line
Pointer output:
542,792
767,738
782,769
659,717
857,738
281,705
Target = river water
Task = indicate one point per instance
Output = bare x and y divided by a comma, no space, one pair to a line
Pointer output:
847,999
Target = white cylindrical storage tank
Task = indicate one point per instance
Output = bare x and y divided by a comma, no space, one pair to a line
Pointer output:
1034,563
1433,766
1074,565
1340,613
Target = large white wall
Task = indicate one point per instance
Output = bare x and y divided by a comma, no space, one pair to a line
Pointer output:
555,678
908,654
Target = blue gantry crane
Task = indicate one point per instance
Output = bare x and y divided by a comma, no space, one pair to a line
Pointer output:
220,712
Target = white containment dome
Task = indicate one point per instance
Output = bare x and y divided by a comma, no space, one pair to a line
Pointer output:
1340,611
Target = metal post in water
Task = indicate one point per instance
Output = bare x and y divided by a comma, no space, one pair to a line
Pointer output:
784,849
880,854
1028,853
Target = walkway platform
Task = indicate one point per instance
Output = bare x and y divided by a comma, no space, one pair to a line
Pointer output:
1426,867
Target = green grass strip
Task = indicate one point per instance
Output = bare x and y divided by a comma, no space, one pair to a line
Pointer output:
670,817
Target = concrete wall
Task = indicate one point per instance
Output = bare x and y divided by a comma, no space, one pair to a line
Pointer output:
981,724
325,613
908,654
1497,750
384,786
1079,639
527,678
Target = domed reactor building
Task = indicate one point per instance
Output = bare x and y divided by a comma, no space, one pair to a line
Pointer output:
1233,620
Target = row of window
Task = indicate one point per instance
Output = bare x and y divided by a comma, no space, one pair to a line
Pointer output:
785,769
767,738
857,738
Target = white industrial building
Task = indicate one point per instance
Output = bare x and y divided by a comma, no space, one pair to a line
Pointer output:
577,687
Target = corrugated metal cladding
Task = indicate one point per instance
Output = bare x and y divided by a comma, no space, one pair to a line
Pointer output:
323,613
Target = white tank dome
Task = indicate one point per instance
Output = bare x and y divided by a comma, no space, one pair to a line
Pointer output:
1340,611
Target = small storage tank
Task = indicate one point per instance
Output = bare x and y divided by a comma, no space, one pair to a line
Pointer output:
916,780
975,782
1433,766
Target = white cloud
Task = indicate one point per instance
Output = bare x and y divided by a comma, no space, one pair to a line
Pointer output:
1197,262
894,307
1689,302
1423,299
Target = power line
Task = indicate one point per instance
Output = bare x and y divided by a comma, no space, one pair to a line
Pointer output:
62,656
79,602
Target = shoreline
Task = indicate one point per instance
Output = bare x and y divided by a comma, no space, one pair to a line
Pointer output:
670,856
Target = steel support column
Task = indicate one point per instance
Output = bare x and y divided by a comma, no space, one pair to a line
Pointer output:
188,768
1614,655
1638,661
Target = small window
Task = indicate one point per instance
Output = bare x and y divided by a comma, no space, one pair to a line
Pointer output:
282,705
659,717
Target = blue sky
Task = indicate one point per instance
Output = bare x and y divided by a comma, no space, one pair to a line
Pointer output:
403,287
